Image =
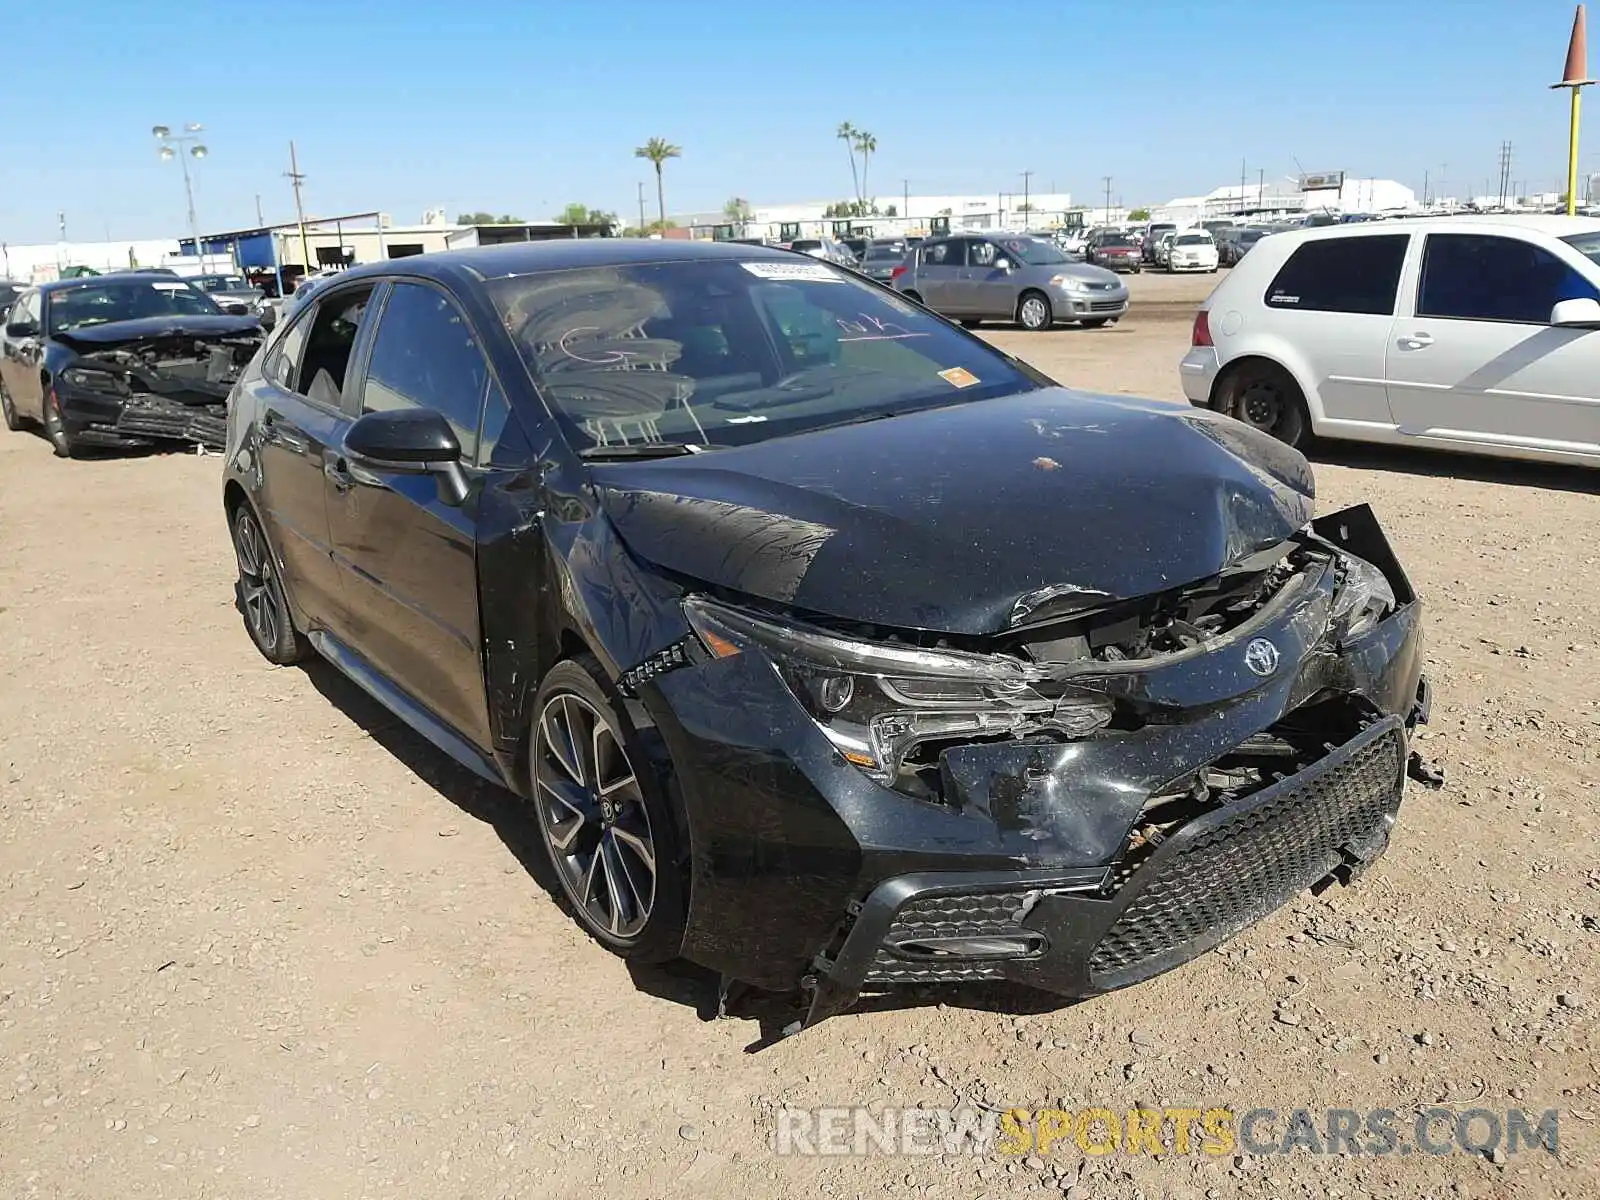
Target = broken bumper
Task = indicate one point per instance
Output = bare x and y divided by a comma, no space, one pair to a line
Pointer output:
805,871
95,418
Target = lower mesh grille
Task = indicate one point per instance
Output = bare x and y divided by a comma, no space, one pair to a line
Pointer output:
1245,865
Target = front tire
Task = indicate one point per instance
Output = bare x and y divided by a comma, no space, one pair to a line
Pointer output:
1266,397
259,594
8,410
1034,312
55,426
604,818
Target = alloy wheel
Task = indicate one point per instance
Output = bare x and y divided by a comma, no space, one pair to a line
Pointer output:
1035,313
257,582
593,817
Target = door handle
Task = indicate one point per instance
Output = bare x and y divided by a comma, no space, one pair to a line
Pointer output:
1417,341
338,472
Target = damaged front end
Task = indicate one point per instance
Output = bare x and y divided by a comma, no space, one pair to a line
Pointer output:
1100,792
172,388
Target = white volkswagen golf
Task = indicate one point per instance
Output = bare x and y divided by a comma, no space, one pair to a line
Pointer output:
1477,334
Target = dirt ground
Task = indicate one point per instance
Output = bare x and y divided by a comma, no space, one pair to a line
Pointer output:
256,940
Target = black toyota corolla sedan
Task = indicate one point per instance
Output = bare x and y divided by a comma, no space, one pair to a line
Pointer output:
830,647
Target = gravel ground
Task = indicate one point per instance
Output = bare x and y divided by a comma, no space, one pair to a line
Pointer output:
259,941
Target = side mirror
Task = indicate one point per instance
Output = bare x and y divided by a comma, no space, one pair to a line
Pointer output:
410,441
22,329
1576,314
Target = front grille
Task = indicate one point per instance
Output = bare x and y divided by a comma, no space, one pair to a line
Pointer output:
971,915
1233,868
1105,305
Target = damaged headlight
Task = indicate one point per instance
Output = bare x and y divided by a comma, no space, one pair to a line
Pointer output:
880,703
1364,598
91,380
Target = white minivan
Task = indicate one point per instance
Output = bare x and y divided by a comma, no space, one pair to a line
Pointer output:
1477,334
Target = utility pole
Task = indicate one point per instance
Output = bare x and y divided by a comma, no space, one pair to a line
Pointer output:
1505,171
1106,179
1424,187
296,179
1241,186
641,208
260,220
1261,186
1027,177
905,208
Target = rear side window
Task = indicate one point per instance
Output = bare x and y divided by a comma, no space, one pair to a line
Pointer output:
944,254
1346,274
1477,277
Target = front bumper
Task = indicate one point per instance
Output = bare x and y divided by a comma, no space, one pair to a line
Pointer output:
1200,265
139,419
1090,306
805,872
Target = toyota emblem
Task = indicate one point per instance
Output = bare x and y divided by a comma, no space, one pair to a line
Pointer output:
1261,656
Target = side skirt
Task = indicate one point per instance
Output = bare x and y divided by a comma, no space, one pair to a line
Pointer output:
419,719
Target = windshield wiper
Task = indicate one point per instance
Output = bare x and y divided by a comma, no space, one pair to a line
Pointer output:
639,450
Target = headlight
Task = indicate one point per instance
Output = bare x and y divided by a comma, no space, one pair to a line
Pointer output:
94,381
1363,599
879,703
1068,284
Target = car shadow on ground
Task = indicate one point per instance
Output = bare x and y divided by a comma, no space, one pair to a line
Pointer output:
1408,460
681,982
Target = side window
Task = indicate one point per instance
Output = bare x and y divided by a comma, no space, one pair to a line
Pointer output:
981,254
330,337
936,254
426,357
1478,277
501,441
1344,274
27,310
284,360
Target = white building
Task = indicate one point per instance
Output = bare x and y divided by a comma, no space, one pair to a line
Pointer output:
1266,199
897,214
45,261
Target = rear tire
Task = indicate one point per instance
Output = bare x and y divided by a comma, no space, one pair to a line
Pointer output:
259,594
1265,396
1034,311
970,322
607,826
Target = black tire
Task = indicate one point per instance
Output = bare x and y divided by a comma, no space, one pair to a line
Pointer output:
55,426
1095,322
970,322
576,808
8,410
1035,313
914,297
1266,397
259,595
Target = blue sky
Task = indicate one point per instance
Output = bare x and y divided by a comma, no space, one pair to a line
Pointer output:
522,108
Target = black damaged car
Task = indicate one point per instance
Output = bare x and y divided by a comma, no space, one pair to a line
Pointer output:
122,360
830,647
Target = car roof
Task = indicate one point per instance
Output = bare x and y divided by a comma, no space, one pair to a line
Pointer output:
563,254
1554,226
64,285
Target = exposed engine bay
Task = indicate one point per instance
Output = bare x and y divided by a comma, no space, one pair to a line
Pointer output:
172,388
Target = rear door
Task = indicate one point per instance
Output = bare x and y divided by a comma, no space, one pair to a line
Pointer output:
939,276
1332,302
1474,357
300,398
407,558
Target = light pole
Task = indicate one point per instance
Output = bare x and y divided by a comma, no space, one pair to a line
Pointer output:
173,147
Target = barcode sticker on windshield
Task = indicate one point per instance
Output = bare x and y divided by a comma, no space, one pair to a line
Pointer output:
958,377
811,272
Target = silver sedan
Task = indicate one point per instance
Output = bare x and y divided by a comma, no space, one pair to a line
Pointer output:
979,277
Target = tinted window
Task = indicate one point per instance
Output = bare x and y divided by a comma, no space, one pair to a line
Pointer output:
1481,278
425,356
1346,274
1586,244
720,353
944,254
884,254
285,356
502,442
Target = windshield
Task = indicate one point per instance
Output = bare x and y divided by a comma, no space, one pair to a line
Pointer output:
221,283
1034,252
1194,239
805,244
1586,244
719,353
884,254
1114,239
1252,235
1158,230
108,300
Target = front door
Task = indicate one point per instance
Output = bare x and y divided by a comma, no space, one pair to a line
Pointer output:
988,289
1477,359
300,398
939,276
21,359
407,557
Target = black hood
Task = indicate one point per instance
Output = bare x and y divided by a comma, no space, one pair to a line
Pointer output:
149,329
947,519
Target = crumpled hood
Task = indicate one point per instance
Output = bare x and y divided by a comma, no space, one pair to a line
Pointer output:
144,329
943,520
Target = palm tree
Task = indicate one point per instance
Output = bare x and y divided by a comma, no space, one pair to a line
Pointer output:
868,145
848,133
658,150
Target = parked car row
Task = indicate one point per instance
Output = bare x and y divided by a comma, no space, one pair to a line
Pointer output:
827,646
